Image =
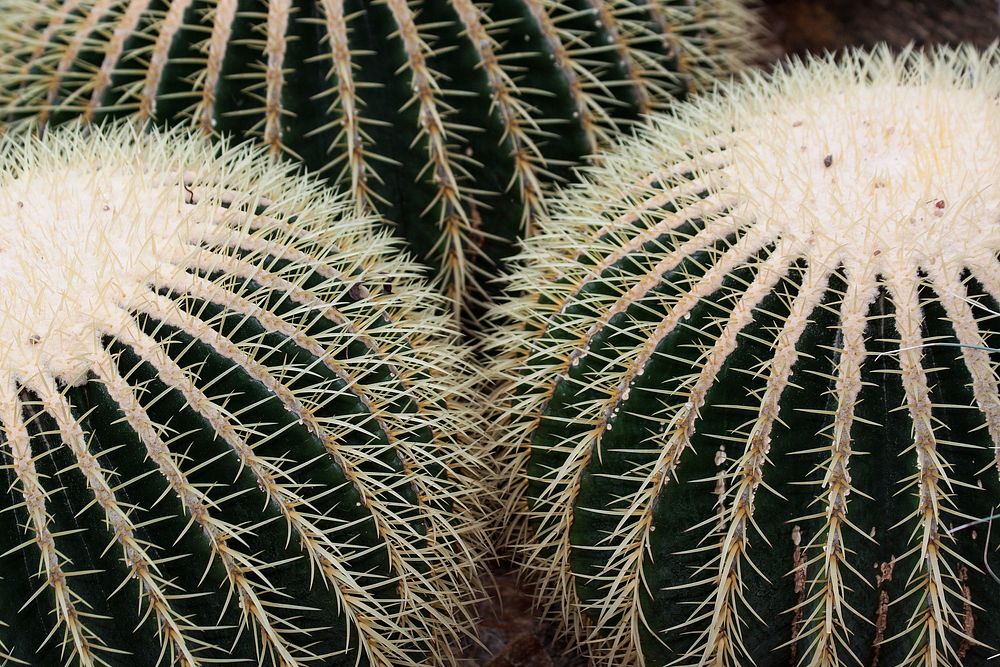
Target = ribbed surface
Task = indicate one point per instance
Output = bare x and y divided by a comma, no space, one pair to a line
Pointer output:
266,464
449,118
729,449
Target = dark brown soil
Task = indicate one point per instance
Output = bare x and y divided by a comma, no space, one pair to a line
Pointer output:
815,26
510,635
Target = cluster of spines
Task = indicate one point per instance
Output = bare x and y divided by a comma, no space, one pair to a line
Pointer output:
646,268
283,287
513,120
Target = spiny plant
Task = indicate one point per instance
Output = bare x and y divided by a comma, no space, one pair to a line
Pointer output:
750,403
448,117
229,417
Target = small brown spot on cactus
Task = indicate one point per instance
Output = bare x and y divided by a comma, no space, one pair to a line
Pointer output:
356,292
828,160
882,614
968,618
799,566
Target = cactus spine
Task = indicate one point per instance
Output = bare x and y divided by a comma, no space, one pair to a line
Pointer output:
449,120
228,419
750,405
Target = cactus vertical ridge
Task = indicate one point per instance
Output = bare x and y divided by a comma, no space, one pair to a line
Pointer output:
452,119
747,405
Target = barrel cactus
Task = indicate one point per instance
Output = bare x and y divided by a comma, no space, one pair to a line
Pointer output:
749,402
230,425
448,119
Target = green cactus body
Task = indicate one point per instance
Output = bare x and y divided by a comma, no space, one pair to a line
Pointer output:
449,120
750,408
228,419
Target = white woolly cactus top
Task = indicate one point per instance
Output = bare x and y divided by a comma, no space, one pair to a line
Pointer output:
878,162
78,244
867,163
827,225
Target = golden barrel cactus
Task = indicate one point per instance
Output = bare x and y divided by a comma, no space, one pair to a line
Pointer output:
750,403
231,421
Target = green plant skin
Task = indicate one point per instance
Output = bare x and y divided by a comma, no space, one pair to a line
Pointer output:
309,503
454,123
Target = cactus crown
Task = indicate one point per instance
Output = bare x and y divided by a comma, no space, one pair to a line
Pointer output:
750,399
449,119
81,240
228,419
875,170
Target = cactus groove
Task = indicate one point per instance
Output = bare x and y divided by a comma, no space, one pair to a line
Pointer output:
229,426
750,406
448,117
